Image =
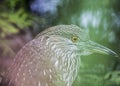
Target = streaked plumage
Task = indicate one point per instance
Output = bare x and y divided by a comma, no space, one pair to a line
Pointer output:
52,58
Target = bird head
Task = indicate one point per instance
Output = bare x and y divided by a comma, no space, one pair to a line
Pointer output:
76,39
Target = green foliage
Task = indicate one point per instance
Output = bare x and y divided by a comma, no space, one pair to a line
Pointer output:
13,18
12,3
113,78
97,75
10,23
109,79
16,4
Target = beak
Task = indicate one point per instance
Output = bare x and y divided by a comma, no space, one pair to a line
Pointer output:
97,48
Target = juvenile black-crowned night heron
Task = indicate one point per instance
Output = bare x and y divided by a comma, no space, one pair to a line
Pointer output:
52,58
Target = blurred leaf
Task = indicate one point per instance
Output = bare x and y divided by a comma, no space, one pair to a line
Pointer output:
10,23
13,3
20,19
6,28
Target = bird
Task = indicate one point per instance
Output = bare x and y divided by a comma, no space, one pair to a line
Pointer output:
52,58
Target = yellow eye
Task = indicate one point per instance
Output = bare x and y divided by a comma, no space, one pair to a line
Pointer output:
74,38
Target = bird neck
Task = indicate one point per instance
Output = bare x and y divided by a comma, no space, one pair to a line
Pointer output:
68,65
65,61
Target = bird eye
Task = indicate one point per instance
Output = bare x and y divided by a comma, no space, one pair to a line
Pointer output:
74,38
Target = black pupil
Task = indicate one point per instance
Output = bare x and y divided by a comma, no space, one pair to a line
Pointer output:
75,38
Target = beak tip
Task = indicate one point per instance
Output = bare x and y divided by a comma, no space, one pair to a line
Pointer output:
113,54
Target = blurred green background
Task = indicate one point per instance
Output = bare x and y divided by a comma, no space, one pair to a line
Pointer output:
22,20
